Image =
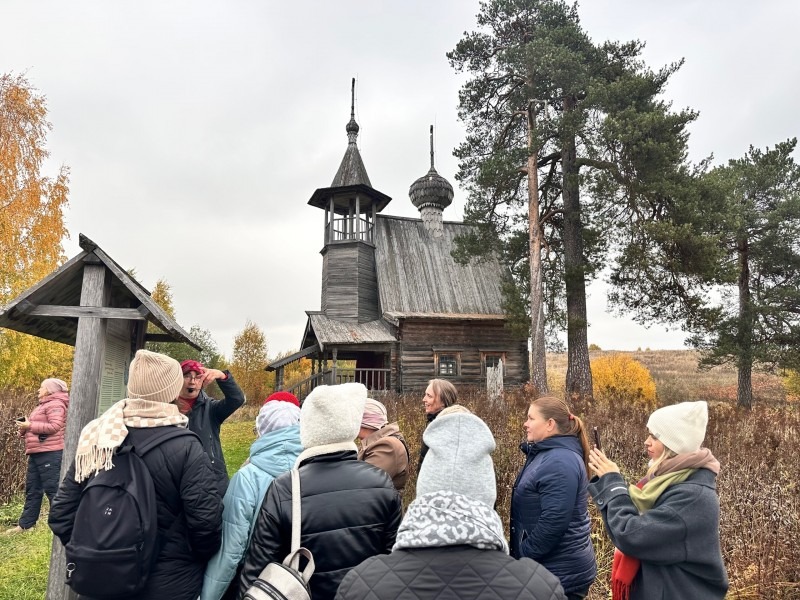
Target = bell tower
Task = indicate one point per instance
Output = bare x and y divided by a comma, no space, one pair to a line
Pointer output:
349,280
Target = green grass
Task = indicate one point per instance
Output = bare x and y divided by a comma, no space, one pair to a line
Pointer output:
25,557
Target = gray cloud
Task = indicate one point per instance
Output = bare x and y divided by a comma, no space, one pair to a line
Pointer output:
197,131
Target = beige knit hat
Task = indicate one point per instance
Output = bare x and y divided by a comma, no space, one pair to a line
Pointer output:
154,377
680,427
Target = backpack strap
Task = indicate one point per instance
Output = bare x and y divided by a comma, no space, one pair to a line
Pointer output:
293,559
165,433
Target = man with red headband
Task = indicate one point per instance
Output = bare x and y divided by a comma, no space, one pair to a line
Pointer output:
207,414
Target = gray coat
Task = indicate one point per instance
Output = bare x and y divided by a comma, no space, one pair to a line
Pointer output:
677,541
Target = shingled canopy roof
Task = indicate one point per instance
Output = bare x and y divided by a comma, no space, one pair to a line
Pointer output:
51,308
418,277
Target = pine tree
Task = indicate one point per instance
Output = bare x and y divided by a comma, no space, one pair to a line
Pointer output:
607,151
757,320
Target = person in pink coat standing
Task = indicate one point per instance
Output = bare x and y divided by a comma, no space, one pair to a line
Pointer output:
43,432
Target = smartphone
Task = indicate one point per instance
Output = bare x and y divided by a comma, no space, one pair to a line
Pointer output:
596,436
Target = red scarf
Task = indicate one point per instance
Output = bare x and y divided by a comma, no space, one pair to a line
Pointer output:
624,568
186,404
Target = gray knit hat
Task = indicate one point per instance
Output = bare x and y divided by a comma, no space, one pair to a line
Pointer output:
680,427
459,458
154,377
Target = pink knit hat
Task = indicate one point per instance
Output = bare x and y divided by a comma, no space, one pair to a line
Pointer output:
54,385
374,415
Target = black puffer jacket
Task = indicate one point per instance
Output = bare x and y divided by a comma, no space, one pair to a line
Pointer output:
350,511
207,416
450,573
189,512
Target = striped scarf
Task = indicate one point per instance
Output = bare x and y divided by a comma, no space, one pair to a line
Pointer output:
101,437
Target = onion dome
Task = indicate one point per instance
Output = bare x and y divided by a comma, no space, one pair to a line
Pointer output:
431,190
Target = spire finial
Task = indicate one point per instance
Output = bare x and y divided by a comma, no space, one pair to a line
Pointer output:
353,99
352,126
431,146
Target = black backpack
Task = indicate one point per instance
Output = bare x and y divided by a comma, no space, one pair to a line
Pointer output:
114,542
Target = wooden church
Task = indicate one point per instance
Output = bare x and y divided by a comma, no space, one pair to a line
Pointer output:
394,301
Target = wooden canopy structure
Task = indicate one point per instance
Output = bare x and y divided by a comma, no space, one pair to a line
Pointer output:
91,303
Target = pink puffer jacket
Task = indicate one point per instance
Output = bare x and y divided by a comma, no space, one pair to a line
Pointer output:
48,421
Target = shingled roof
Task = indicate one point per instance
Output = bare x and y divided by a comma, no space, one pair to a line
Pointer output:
417,276
50,309
329,331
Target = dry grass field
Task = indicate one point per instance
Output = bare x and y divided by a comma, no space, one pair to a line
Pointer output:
758,489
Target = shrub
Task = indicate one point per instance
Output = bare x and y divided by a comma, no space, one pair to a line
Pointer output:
618,378
13,462
791,381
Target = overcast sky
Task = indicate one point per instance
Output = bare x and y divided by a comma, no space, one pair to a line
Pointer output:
197,131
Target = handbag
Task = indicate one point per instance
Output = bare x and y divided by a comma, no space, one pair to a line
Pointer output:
285,581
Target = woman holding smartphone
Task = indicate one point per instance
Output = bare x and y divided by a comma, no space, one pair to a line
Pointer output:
549,505
43,432
666,527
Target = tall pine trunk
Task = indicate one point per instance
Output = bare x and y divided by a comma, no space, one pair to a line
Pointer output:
538,353
579,375
744,390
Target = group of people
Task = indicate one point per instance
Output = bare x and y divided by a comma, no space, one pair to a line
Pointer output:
450,543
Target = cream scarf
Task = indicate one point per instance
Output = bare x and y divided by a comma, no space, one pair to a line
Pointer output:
101,437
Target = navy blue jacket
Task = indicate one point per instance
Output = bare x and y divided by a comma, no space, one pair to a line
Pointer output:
549,511
206,418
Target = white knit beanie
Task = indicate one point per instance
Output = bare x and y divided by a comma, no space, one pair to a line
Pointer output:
330,418
459,458
276,415
154,377
680,427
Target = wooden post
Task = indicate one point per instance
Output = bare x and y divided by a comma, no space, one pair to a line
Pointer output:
333,367
87,368
358,218
279,379
332,221
327,226
374,224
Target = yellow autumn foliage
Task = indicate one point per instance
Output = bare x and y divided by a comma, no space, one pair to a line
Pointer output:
31,229
618,378
791,381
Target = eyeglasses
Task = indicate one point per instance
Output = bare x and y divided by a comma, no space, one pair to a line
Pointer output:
193,377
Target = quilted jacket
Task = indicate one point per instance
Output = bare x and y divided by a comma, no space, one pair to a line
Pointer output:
449,573
350,511
449,547
48,421
189,514
549,511
270,455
